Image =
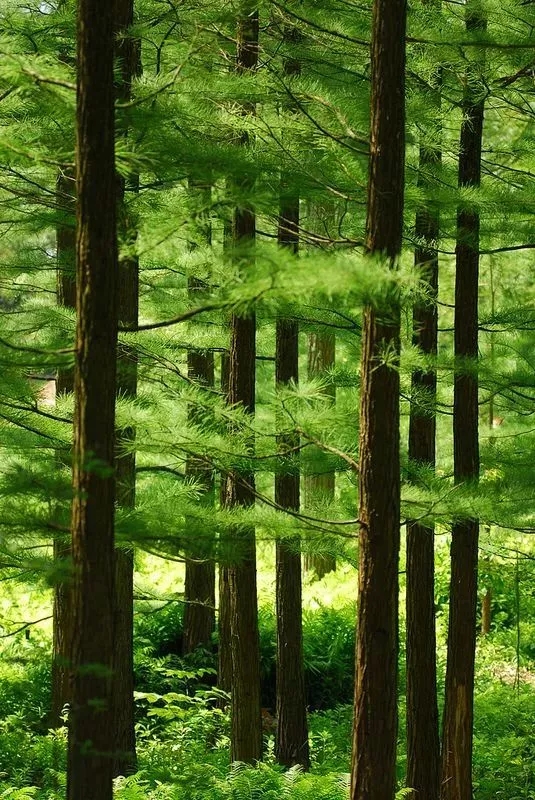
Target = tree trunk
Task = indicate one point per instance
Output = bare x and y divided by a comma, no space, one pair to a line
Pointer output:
292,729
127,53
224,666
199,590
459,692
375,722
423,743
199,586
91,728
246,732
66,297
319,488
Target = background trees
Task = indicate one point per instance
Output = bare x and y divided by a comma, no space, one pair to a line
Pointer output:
203,160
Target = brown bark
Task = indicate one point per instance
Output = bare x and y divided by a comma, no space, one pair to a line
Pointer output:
292,729
246,732
320,487
199,589
91,728
459,691
199,586
423,743
66,297
127,57
375,722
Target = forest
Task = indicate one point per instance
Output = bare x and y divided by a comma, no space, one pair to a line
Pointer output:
267,399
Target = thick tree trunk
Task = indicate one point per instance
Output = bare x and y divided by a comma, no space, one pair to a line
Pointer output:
375,722
292,729
91,728
320,487
199,586
246,733
423,743
66,297
459,693
127,56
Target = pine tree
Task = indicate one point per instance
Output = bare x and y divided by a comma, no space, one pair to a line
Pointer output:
458,709
423,745
127,57
375,721
246,739
292,729
91,728
66,298
199,583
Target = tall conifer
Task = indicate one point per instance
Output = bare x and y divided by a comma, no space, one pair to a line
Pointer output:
91,729
246,732
423,745
458,708
375,722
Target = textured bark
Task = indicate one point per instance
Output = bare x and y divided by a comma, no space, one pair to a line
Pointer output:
66,297
127,57
292,729
320,487
246,732
423,743
459,693
199,586
91,728
375,722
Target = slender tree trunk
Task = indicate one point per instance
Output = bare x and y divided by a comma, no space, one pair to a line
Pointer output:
91,728
127,53
319,488
486,603
199,590
423,743
224,667
66,297
375,722
292,729
199,587
246,733
459,694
